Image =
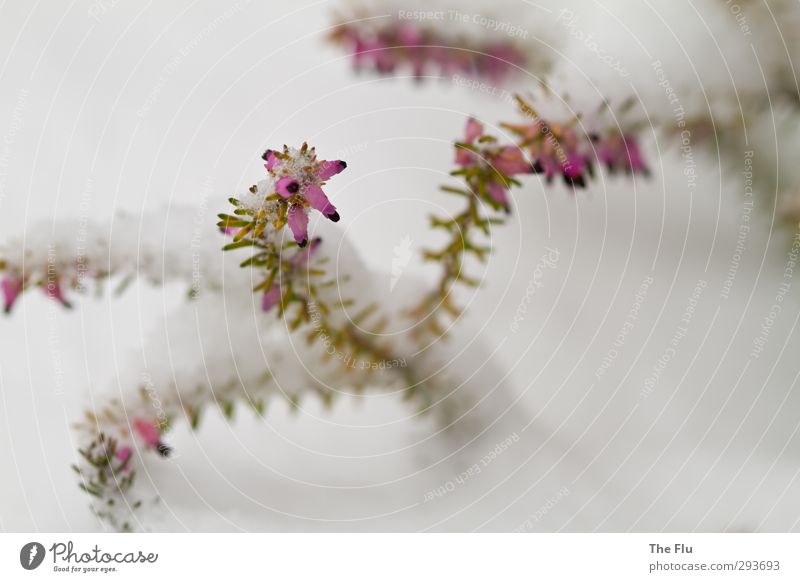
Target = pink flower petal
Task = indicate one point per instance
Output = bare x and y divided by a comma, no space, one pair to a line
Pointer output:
473,131
287,187
409,35
271,159
271,298
124,455
11,287
385,61
298,222
319,201
574,166
302,258
328,169
634,155
548,165
498,194
464,157
148,431
510,161
53,290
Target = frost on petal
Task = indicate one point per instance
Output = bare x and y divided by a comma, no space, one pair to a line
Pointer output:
319,201
12,287
298,222
148,431
329,168
287,187
271,298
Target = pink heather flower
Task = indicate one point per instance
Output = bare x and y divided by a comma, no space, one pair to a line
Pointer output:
299,261
151,435
271,297
299,178
52,288
148,431
558,150
620,152
473,130
501,60
123,455
12,287
496,162
510,161
298,223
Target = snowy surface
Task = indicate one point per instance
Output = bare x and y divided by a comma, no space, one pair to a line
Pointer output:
111,107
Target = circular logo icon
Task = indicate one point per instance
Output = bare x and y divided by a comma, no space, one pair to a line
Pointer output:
31,555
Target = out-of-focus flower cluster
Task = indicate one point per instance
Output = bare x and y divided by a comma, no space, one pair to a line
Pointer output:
406,47
560,149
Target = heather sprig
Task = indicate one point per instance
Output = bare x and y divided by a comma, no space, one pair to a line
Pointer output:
105,473
77,257
106,461
292,279
487,169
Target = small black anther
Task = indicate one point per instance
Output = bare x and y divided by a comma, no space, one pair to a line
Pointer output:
577,181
